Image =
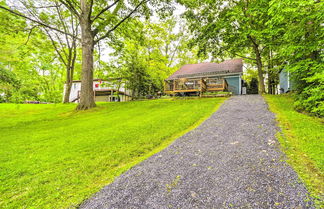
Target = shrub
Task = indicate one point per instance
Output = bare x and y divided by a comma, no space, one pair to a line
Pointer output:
309,78
252,87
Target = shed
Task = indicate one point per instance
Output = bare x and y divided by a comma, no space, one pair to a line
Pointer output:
285,81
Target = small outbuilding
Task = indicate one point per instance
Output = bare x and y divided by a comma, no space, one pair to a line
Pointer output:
109,90
206,77
286,84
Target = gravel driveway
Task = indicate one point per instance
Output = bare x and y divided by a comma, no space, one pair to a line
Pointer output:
232,160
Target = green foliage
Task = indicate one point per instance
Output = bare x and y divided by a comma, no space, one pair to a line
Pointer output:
310,87
302,139
299,26
148,54
54,157
224,28
250,76
8,78
8,83
221,93
252,87
32,61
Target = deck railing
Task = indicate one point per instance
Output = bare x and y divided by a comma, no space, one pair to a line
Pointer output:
191,85
183,85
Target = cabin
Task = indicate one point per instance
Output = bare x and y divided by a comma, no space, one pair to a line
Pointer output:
109,90
194,79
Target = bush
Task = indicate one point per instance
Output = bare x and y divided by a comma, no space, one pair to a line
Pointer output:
252,87
309,78
311,99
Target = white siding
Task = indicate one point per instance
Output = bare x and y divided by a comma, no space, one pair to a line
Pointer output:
76,88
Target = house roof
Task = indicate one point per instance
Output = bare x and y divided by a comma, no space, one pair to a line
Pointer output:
204,69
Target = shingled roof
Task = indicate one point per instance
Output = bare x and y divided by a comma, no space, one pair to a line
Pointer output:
205,69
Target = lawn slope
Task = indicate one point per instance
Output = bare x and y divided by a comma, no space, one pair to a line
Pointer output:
302,139
54,157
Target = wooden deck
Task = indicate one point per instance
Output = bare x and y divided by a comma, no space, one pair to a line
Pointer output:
195,85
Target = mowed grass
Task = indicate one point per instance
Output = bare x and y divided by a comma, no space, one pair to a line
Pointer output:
54,157
302,139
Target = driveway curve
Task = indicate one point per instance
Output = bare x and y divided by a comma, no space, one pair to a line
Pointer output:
232,160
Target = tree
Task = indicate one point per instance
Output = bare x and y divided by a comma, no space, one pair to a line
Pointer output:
139,58
231,28
299,47
8,81
26,53
64,45
98,19
147,54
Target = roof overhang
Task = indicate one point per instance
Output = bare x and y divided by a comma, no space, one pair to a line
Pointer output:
204,75
107,92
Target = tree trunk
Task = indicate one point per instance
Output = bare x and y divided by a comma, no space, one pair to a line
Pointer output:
270,73
259,66
68,85
67,92
87,40
70,71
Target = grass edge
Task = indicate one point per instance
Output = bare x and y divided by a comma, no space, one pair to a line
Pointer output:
283,135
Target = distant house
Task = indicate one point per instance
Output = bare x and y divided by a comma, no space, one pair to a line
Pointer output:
206,77
285,81
110,90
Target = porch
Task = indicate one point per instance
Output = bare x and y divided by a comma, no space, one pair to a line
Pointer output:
195,85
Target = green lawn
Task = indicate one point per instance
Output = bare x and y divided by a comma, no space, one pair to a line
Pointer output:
54,157
302,139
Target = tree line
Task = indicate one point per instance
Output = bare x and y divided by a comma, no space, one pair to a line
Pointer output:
270,35
74,33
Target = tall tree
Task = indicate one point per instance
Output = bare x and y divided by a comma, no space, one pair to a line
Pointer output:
64,45
231,28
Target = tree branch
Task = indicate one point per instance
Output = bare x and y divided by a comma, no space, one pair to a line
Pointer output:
174,52
249,58
63,24
69,6
36,21
123,20
43,7
104,10
55,47
30,32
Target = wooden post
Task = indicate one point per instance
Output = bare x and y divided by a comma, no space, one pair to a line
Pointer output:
201,86
173,85
223,84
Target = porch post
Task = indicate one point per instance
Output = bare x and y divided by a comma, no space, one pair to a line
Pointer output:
201,87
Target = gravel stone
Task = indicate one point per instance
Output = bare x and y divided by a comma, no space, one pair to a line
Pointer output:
232,160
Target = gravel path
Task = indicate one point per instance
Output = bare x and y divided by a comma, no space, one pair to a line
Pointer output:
232,160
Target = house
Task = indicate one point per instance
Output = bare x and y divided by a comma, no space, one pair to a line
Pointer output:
110,90
206,77
285,81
